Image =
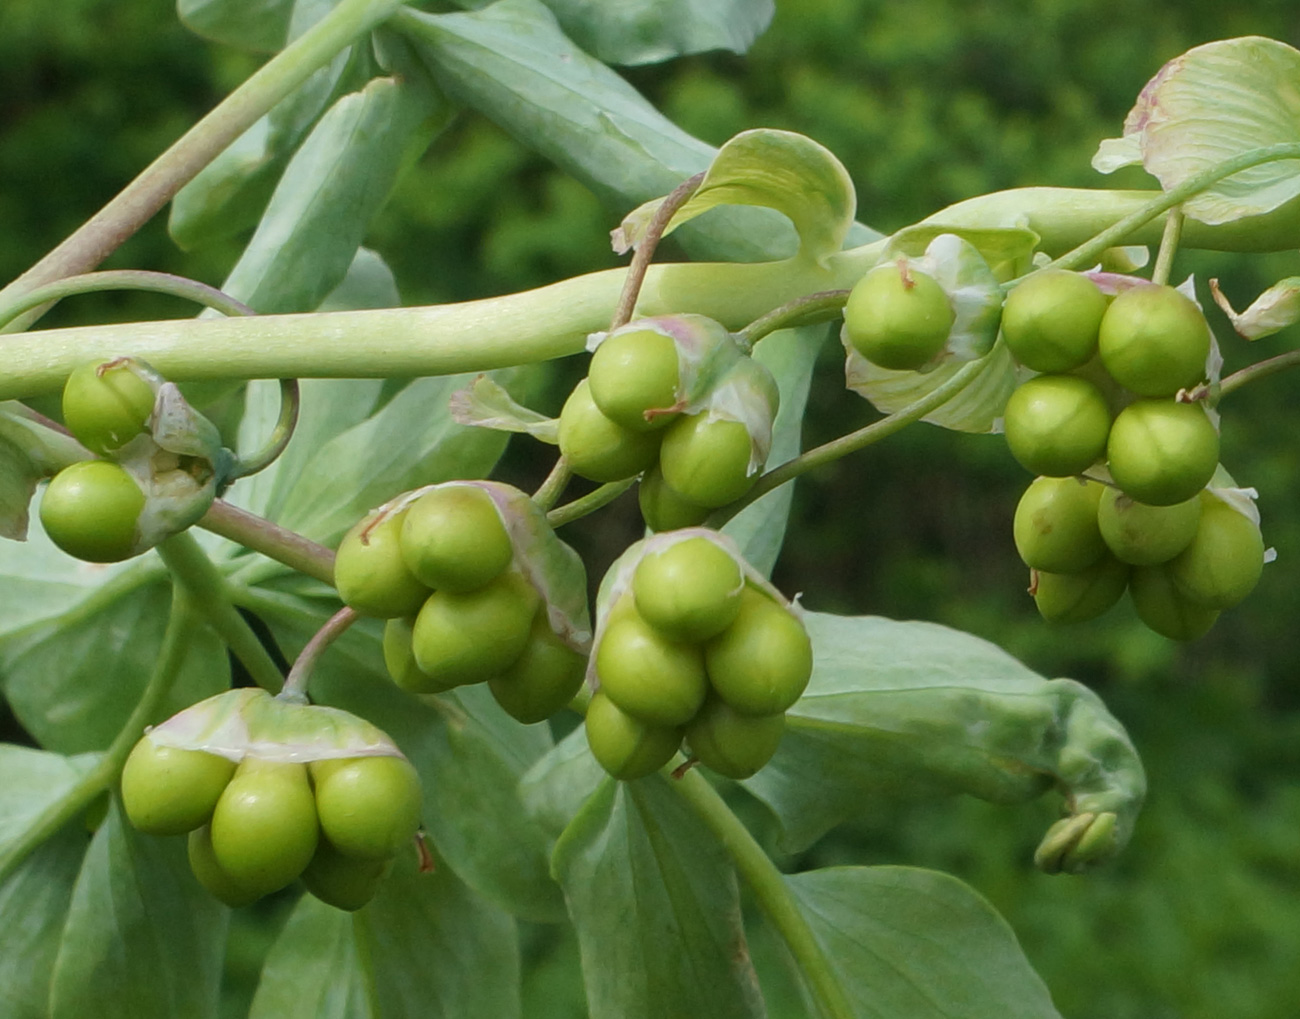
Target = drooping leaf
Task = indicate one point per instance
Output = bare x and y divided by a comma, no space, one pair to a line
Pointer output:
921,708
143,940
917,943
33,779
33,909
1214,102
771,169
1269,313
656,906
329,192
651,31
313,970
485,403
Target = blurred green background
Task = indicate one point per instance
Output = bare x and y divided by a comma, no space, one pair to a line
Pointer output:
927,102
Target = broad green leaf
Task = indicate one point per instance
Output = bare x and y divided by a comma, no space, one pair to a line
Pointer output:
790,354
369,283
313,970
78,643
560,782
920,944
33,908
977,408
651,31
143,940
921,708
33,779
1206,106
772,169
260,25
329,192
1269,313
656,906
29,451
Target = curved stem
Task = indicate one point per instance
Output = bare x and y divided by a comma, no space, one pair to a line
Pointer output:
1168,246
854,441
99,236
122,279
645,248
1259,370
770,890
295,684
588,503
553,487
803,311
171,656
206,587
290,405
272,540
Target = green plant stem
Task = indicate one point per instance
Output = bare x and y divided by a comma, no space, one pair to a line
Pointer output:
770,890
272,540
804,311
588,503
99,236
854,441
171,656
290,405
1259,370
122,279
1168,247
645,248
206,587
295,684
553,486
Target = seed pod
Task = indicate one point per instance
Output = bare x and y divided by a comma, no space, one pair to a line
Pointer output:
169,791
543,679
453,538
898,317
1223,562
1145,535
1154,341
689,591
107,404
732,744
369,807
370,571
1055,525
1057,425
344,882
1051,320
264,829
627,747
470,636
92,511
1164,609
662,508
1078,597
633,373
598,449
654,679
1162,452
760,664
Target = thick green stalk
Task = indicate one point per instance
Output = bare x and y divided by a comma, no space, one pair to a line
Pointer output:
100,235
171,656
770,890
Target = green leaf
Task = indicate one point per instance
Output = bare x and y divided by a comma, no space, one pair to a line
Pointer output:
259,25
1007,250
313,970
651,31
656,906
78,642
331,189
920,944
977,408
922,709
33,780
29,451
560,782
33,908
790,354
1214,102
772,169
143,940
485,403
369,283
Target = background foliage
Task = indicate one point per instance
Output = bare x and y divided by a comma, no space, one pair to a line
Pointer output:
927,103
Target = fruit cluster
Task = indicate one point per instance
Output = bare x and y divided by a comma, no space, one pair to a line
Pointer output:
442,568
674,398
692,648
91,509
256,825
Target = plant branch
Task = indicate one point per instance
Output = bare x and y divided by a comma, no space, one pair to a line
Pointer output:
290,405
122,279
1168,246
194,571
171,656
645,248
553,486
1259,370
803,311
272,540
295,684
99,236
770,890
589,503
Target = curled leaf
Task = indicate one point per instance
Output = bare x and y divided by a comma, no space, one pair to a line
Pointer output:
487,404
1270,312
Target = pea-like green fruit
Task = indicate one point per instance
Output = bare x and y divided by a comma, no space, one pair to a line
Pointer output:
368,806
1056,424
453,539
625,746
543,679
1162,452
706,461
344,882
370,571
598,449
649,676
898,317
209,873
732,744
471,636
91,510
1050,321
1160,605
1078,597
1154,341
634,372
1143,535
663,509
264,828
106,409
1055,526
761,663
168,790
689,591
1224,560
